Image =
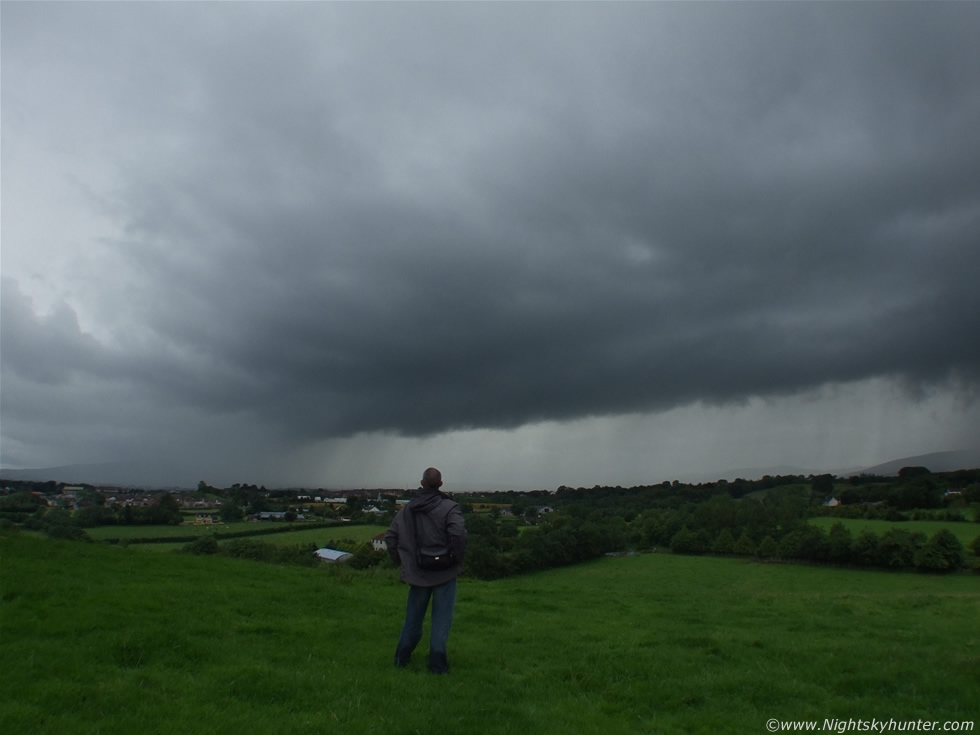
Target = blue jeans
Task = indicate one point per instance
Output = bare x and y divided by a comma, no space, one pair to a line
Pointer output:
443,599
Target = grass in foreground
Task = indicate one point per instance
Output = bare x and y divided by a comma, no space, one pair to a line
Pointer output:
110,640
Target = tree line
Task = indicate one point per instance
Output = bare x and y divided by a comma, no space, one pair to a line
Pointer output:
766,519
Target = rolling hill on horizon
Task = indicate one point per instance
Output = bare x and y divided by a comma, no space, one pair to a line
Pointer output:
160,474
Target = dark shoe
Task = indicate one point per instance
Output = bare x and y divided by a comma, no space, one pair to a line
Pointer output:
438,663
403,656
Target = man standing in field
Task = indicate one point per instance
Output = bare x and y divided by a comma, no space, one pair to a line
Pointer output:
428,540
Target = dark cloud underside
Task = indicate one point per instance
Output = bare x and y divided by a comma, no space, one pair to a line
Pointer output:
414,218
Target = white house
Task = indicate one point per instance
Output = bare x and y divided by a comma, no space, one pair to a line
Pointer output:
378,543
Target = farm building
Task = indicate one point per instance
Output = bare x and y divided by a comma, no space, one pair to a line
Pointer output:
333,555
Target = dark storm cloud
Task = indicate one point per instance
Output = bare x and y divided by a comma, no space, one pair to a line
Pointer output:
422,217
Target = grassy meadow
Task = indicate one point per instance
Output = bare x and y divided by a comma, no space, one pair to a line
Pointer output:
105,639
300,535
963,531
125,533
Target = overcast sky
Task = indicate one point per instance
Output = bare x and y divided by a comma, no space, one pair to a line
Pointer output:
531,244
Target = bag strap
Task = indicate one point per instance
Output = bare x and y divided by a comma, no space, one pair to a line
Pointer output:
415,523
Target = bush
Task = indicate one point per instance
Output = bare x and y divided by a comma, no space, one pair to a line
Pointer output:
864,550
244,548
767,548
203,545
72,533
897,548
686,541
975,545
839,544
303,555
725,543
745,546
365,557
942,553
22,502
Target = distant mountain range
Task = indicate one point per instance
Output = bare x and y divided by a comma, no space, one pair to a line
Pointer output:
963,459
156,474
159,474
936,462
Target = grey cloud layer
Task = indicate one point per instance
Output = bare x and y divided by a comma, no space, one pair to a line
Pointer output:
413,218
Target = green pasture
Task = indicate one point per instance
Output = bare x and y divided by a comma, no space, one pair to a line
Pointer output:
356,532
101,533
105,639
318,536
963,531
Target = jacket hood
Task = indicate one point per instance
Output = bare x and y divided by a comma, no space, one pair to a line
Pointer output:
426,500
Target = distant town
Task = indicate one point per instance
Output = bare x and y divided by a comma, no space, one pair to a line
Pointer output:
211,504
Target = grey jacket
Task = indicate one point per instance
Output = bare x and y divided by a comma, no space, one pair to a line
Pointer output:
440,522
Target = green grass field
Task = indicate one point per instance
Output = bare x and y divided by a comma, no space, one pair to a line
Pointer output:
101,533
318,536
103,639
965,532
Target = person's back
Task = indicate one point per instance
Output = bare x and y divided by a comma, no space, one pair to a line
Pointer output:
439,521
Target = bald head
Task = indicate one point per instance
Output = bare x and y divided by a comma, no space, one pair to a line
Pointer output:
432,478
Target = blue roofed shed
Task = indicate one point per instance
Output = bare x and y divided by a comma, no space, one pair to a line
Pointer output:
333,555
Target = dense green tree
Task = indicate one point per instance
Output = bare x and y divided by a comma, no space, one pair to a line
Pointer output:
57,517
22,502
768,549
807,543
919,493
93,516
230,511
790,546
169,503
813,543
941,553
724,543
822,485
864,549
687,541
897,548
481,525
258,503
839,544
745,546
482,558
909,472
